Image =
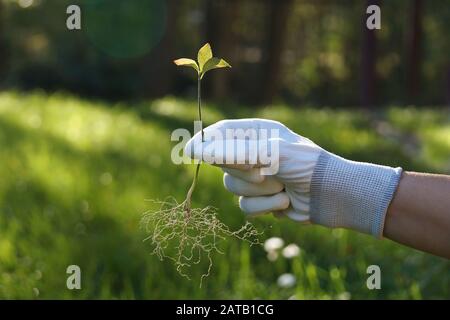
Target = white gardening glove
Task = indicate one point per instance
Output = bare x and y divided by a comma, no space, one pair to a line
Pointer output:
308,184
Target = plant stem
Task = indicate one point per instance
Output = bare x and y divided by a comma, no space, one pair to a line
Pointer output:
199,101
187,205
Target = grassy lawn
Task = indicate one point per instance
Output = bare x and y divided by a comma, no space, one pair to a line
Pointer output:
75,174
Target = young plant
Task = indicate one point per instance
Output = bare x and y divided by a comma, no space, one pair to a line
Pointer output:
179,232
206,62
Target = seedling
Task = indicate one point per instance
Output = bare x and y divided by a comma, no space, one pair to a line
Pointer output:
206,62
179,232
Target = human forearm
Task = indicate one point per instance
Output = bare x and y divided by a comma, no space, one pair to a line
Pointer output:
419,214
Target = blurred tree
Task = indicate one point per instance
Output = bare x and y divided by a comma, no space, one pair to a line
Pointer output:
447,85
368,60
3,56
220,19
157,65
277,31
414,50
314,52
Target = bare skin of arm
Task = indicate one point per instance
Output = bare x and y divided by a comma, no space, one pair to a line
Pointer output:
419,214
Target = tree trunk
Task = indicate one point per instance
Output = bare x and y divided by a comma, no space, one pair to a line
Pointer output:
447,86
220,17
3,54
158,67
368,60
414,51
278,20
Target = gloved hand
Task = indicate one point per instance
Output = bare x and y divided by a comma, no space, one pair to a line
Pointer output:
310,185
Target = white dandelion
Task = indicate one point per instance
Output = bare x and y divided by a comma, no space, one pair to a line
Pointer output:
286,280
273,244
291,251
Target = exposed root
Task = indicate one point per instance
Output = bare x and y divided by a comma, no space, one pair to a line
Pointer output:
187,235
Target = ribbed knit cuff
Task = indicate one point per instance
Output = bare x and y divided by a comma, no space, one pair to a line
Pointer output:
351,194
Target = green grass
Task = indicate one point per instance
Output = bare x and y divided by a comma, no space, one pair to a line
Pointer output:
74,176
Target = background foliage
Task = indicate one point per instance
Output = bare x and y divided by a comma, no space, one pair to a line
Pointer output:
299,51
76,173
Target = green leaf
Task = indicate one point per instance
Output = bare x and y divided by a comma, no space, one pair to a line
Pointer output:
214,63
204,54
185,62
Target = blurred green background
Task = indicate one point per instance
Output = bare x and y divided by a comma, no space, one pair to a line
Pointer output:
85,129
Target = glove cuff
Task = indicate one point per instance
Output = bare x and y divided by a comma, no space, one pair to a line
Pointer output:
351,194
